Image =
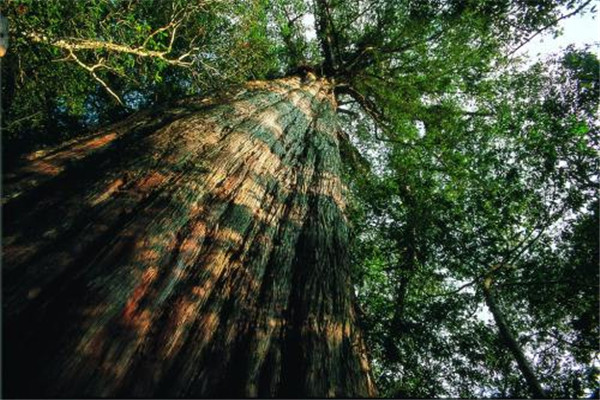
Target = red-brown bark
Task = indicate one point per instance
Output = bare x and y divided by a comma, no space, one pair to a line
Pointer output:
193,251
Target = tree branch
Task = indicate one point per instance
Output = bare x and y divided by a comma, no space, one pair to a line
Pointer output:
370,108
325,36
92,70
89,44
551,24
347,112
509,338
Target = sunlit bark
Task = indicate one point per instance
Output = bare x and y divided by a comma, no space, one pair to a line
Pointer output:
198,250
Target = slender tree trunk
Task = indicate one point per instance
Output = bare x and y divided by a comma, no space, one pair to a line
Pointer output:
193,251
508,338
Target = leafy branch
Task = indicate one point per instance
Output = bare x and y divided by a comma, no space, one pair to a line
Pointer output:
548,26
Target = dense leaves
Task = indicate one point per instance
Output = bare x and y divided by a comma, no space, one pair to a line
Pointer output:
509,187
74,65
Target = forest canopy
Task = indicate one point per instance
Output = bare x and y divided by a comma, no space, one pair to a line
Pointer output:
471,175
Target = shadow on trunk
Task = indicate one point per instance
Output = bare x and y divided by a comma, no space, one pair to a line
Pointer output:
195,252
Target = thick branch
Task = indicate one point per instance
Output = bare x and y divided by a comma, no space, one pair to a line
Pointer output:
325,36
371,109
508,338
368,106
89,44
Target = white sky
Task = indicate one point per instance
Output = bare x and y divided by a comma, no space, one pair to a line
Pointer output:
308,20
580,29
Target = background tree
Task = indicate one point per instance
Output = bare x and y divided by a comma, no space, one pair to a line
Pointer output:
504,181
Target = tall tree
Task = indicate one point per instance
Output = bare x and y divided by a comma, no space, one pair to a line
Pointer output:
200,247
195,251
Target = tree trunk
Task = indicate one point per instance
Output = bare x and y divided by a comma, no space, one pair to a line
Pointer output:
197,250
508,338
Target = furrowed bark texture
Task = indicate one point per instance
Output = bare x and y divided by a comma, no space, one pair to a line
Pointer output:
193,251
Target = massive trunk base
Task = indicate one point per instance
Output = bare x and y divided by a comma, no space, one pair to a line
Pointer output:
194,251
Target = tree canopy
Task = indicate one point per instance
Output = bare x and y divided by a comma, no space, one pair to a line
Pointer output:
472,177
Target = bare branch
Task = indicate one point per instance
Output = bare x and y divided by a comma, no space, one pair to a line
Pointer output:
156,32
18,121
347,112
88,44
550,25
466,285
92,70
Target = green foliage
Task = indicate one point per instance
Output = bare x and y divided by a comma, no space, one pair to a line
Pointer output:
191,48
511,182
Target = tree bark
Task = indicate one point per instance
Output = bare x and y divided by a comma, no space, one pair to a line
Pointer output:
197,250
508,338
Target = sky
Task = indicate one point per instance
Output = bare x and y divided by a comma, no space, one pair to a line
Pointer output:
580,29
